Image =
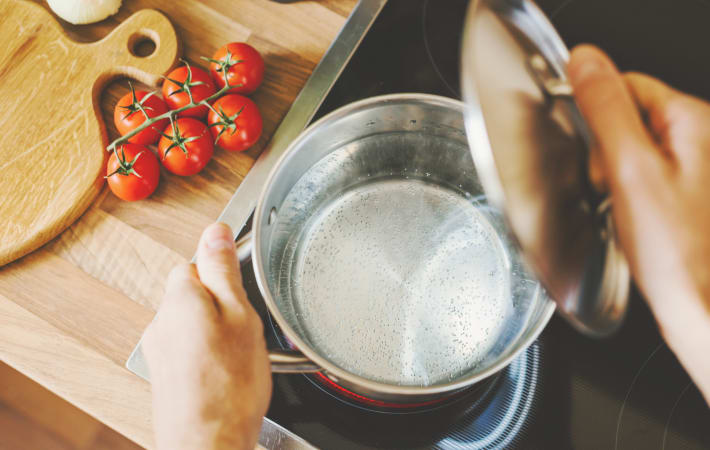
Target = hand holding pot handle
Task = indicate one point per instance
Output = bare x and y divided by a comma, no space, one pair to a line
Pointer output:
653,154
206,354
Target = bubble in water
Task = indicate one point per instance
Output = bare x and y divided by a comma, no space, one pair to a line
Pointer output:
403,282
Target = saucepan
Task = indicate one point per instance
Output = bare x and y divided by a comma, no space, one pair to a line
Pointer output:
381,261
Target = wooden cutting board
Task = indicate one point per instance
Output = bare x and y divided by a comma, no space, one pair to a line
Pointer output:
52,155
72,310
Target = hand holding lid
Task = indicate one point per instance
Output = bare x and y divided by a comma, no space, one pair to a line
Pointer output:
530,145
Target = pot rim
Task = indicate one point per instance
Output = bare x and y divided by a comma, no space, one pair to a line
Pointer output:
330,368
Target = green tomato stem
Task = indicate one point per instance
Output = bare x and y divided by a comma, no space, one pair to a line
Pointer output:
168,115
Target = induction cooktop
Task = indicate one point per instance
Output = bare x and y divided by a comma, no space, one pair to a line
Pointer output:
566,390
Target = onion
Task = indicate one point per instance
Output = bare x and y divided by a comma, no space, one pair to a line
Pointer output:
84,11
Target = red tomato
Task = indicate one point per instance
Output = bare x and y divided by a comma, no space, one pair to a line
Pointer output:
128,116
135,175
188,149
244,66
235,122
175,90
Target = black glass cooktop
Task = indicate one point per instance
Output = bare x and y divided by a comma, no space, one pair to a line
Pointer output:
566,391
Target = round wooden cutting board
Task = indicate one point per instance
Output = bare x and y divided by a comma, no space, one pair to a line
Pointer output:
53,139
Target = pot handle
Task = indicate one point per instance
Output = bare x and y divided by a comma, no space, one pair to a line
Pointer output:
282,361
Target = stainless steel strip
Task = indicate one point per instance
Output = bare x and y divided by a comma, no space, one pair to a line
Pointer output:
274,436
242,203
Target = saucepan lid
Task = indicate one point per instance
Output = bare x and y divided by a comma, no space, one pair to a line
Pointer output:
531,148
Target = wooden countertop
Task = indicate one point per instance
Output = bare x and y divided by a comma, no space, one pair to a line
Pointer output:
72,311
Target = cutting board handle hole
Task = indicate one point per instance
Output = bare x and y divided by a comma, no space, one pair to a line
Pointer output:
142,44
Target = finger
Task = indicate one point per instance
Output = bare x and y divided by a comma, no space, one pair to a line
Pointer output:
218,267
596,170
609,109
652,97
186,302
677,119
184,289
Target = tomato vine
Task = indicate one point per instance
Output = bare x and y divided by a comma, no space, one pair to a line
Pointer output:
171,114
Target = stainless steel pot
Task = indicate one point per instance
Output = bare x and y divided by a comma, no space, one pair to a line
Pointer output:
381,262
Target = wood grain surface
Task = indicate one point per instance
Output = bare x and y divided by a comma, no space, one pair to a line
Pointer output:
52,152
71,311
33,418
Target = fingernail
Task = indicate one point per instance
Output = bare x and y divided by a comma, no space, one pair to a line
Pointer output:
218,236
586,70
585,63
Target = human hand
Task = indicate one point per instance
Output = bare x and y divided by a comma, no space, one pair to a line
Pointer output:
207,355
653,151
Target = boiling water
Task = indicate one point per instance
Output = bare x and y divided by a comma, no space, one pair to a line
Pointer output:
403,282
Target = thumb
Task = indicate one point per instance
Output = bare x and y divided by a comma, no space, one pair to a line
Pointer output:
607,105
218,267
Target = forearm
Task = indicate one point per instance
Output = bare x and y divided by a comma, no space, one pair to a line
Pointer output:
686,329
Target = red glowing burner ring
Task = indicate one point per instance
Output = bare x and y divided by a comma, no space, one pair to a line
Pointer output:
377,403
339,390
